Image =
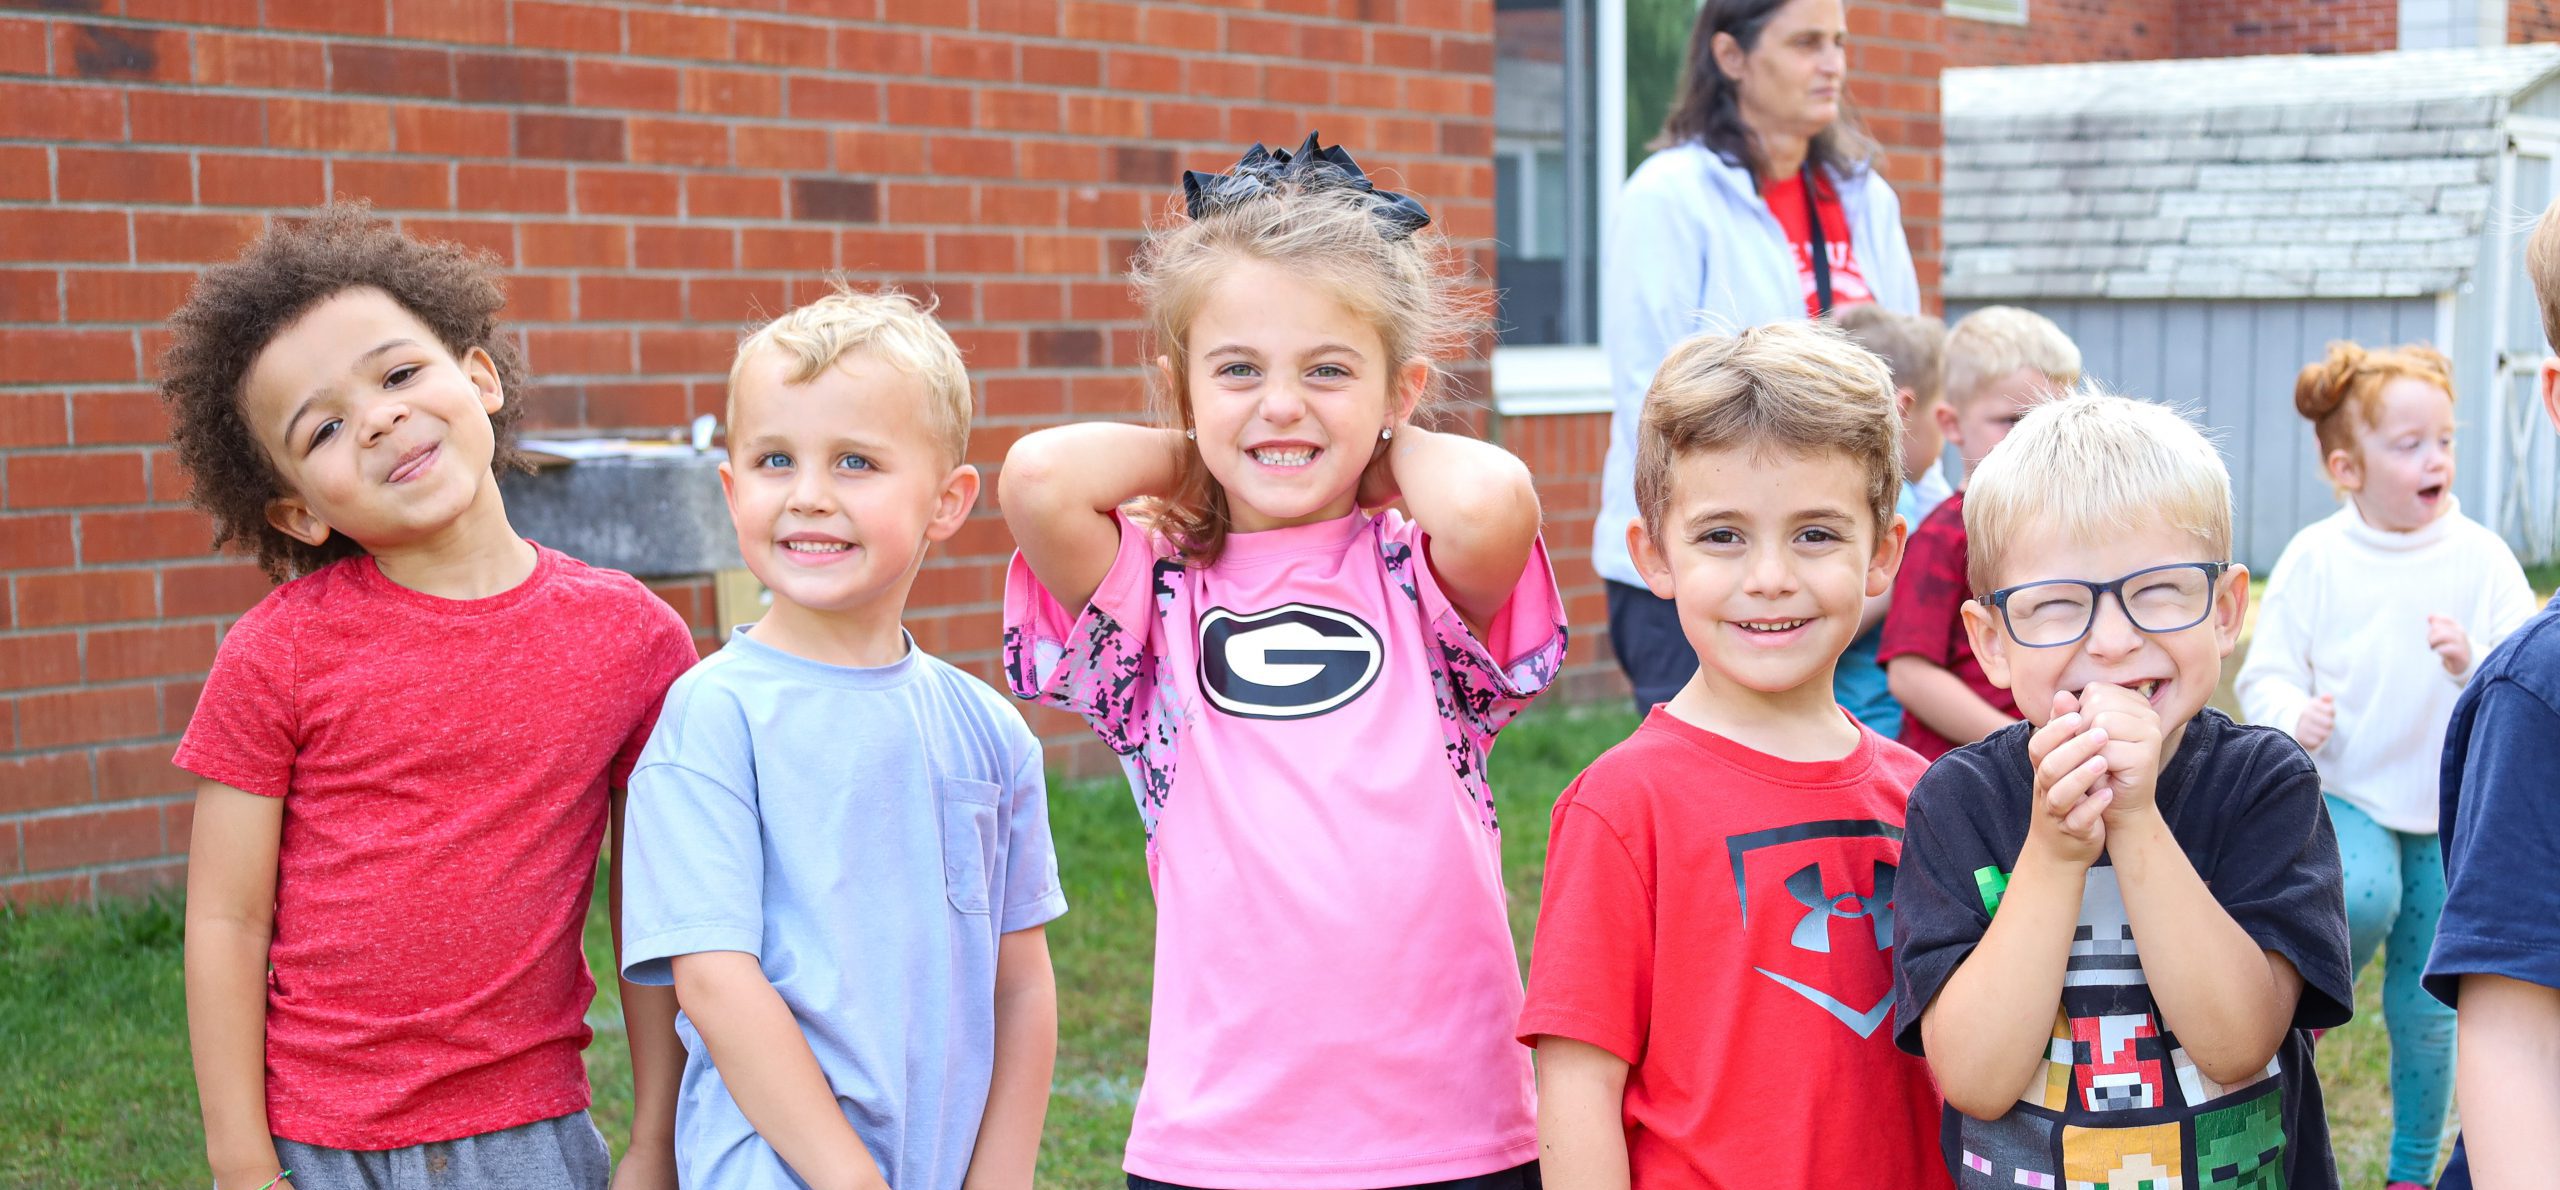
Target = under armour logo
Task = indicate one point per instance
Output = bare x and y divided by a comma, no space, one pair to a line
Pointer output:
1814,932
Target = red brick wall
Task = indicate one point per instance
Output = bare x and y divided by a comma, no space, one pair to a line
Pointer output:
2069,31
2228,28
2532,20
653,177
2109,30
1896,49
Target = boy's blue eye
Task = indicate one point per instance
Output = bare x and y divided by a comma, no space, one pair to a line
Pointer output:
773,459
854,463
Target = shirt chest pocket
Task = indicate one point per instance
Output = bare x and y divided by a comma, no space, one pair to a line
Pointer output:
969,841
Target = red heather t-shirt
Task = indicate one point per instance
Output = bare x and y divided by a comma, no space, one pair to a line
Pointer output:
1722,920
445,767
1848,285
1927,620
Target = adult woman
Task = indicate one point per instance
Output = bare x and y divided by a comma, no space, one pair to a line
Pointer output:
1713,232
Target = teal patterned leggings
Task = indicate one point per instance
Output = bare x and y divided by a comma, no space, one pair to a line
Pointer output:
2395,893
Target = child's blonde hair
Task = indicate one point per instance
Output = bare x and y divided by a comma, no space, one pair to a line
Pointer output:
1405,286
2342,392
2542,263
890,325
1791,387
1913,345
2090,463
1994,341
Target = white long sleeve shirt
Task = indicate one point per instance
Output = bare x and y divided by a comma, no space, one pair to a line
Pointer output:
1693,247
2345,614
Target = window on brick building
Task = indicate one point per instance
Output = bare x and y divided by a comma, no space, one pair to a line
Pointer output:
2002,12
1546,171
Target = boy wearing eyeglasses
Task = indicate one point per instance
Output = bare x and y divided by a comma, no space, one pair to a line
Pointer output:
2118,920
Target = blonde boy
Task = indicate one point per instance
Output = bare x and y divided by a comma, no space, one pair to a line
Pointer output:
1748,820
1914,346
2001,362
839,845
2497,950
2119,920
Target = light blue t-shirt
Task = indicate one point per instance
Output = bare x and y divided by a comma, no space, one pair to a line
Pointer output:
868,835
1858,683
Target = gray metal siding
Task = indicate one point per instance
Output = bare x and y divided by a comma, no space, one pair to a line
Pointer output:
2233,364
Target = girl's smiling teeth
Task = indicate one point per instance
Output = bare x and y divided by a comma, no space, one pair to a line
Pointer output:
1283,456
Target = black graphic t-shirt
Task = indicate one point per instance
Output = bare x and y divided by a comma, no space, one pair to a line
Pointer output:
2117,1102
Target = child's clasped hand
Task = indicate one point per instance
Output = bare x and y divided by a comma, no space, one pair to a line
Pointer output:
2451,643
2096,760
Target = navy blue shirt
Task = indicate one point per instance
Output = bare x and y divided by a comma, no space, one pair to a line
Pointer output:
2502,826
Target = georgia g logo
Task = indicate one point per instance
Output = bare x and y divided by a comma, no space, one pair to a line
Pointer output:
1291,662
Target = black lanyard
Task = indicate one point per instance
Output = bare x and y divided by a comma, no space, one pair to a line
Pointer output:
1821,252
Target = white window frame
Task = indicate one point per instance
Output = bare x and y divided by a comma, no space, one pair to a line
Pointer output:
1995,12
1564,381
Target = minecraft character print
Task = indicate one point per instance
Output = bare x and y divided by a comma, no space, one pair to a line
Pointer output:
2122,1158
2116,1062
2241,1147
2005,1154
2102,950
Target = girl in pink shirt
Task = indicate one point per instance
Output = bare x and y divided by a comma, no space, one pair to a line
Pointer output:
1303,693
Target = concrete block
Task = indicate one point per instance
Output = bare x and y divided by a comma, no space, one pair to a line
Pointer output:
654,514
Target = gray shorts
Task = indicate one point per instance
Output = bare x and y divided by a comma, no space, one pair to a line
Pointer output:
561,1153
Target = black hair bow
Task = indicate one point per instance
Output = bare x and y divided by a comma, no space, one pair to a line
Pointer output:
1314,168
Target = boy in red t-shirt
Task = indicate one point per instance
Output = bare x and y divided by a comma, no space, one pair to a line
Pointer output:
2001,362
409,753
1714,965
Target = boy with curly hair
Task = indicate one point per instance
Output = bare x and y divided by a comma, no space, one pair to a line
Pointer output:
409,751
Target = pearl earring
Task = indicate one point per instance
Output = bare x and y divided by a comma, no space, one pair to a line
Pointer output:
1191,435
1387,433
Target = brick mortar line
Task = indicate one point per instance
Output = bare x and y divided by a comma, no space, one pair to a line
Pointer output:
109,868
53,813
395,156
755,16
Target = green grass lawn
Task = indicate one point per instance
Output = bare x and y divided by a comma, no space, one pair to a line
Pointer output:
93,1015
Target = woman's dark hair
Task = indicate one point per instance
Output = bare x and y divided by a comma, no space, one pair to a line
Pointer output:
236,309
1707,107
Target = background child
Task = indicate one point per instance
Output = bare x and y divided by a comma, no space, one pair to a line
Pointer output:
1703,989
2119,918
1303,693
2372,622
409,754
1914,347
2001,362
2497,949
839,844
